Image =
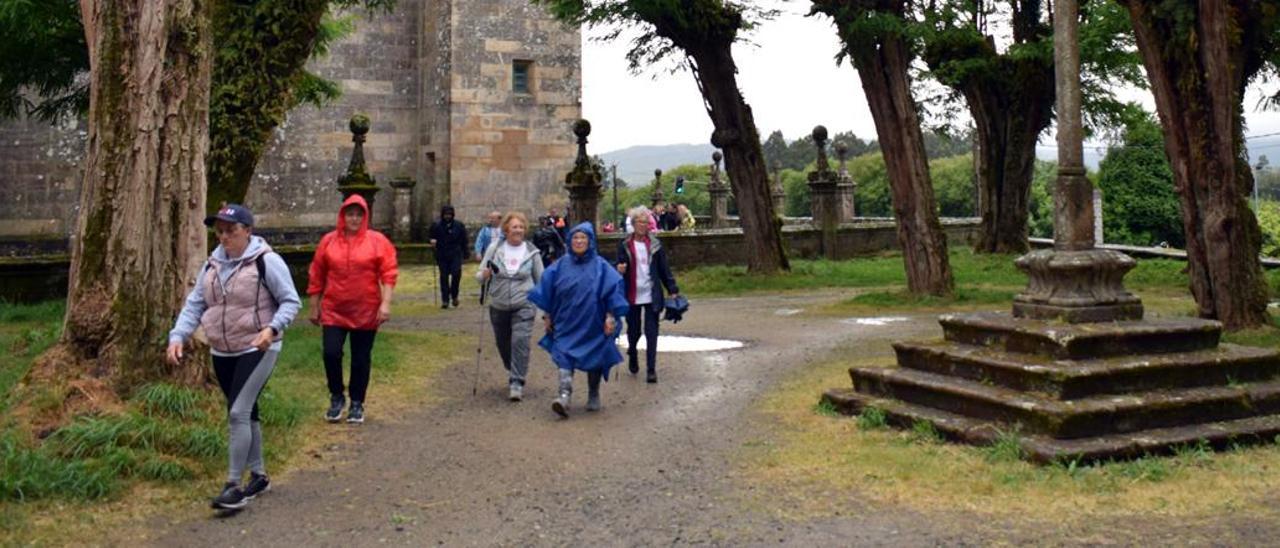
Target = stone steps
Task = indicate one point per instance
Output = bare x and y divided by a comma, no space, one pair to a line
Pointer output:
1044,449
1068,419
1066,379
1002,331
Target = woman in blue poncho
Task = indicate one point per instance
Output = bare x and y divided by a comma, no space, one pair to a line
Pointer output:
583,298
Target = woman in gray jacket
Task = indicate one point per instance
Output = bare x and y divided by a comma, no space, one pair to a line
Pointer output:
244,299
511,267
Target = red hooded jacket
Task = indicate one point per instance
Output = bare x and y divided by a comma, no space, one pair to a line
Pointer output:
347,270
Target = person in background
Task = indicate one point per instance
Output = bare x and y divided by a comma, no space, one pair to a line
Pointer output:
667,219
687,222
351,280
643,264
653,221
488,234
512,267
583,298
449,238
244,299
557,222
548,241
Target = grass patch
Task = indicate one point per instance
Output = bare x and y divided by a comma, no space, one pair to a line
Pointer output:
970,270
873,418
809,465
167,449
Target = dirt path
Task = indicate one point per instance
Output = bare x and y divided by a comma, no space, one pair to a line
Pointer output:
651,468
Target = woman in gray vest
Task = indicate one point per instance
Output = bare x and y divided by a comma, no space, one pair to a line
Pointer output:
243,298
511,267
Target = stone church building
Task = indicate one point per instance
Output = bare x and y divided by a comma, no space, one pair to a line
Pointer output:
473,99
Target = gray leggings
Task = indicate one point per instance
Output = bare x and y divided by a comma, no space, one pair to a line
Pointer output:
241,379
511,331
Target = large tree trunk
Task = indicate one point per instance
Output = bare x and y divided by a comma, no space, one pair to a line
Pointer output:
883,71
263,49
735,133
139,238
1008,120
1198,82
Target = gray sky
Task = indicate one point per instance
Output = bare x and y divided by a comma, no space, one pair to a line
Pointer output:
789,78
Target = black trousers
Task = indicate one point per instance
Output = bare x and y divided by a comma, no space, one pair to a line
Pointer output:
450,278
650,333
361,359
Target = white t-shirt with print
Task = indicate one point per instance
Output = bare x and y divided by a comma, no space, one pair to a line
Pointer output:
644,286
512,256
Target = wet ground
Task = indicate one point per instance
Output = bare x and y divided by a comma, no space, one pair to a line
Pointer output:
654,467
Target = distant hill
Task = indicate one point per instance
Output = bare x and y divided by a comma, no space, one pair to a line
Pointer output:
636,164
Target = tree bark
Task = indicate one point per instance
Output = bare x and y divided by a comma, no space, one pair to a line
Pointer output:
883,70
1008,121
736,135
139,238
1198,80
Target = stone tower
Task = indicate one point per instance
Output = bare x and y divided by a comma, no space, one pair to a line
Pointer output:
475,99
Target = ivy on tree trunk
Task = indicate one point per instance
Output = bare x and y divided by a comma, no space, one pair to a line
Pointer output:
1199,56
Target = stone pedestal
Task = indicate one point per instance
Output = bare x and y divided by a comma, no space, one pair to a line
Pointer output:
402,208
824,199
1076,286
1076,391
357,179
584,182
719,193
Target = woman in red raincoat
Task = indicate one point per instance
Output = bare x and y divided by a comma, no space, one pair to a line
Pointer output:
352,277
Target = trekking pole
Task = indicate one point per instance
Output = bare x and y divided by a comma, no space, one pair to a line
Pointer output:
432,276
484,289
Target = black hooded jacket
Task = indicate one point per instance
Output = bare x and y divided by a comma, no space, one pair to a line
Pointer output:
450,237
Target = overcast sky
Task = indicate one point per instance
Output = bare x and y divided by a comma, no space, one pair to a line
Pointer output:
789,78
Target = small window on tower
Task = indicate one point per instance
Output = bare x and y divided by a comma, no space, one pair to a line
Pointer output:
521,76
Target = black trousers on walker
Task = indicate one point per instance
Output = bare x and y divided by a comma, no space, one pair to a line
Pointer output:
361,359
650,333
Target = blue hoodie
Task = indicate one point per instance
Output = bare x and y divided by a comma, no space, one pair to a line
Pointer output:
577,292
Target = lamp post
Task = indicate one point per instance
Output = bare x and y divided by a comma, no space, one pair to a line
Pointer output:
617,214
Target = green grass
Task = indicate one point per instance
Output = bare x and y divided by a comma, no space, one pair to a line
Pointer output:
873,418
970,270
173,435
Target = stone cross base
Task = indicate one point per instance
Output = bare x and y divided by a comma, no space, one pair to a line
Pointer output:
719,206
1076,286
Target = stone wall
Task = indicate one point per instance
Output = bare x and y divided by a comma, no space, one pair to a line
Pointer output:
435,80
511,150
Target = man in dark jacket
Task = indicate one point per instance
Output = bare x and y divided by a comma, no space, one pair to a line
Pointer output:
547,239
668,220
643,264
449,238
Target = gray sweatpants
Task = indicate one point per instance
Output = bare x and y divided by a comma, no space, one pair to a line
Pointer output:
512,330
242,379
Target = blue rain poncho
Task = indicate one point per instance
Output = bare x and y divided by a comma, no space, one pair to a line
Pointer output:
577,292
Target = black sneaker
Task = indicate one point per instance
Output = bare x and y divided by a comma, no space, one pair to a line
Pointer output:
258,484
355,414
231,498
334,414
455,303
445,306
651,376
633,363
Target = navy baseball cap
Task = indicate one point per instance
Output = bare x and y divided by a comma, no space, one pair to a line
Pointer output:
233,213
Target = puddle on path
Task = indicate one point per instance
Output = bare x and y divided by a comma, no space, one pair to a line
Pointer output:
676,343
787,311
877,321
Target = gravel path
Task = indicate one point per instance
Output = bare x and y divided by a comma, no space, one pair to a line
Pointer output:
652,468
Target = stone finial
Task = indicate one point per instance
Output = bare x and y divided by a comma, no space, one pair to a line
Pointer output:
842,152
357,179
657,187
820,141
715,170
582,129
